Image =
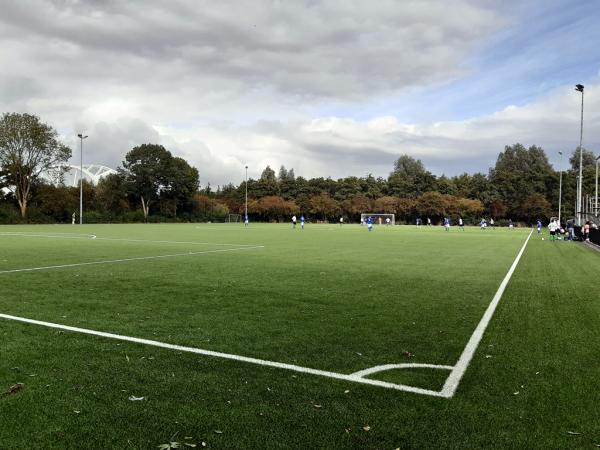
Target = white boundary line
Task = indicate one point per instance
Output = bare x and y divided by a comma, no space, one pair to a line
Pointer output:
461,366
93,236
140,258
448,390
262,362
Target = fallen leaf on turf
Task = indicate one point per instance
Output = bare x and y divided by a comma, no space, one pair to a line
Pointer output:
15,389
76,411
169,446
189,445
187,438
218,431
127,358
348,430
318,406
133,398
516,393
346,391
488,356
573,433
367,428
408,354
203,444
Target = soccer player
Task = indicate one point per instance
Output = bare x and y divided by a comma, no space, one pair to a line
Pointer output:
447,224
246,220
302,221
539,226
387,221
428,222
492,223
341,221
483,224
552,227
294,220
510,224
461,225
418,222
369,223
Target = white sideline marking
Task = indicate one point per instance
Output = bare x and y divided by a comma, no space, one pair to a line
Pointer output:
459,369
139,258
262,362
93,236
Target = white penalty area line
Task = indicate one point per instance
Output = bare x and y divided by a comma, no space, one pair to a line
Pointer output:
139,258
93,236
356,377
461,366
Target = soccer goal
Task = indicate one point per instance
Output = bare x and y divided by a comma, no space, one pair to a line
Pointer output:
378,218
234,218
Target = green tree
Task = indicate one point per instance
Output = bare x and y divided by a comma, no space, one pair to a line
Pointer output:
519,173
28,147
182,181
410,178
147,168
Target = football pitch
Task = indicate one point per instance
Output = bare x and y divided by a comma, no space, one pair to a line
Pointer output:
222,336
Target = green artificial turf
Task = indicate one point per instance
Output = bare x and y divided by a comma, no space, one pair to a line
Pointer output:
332,298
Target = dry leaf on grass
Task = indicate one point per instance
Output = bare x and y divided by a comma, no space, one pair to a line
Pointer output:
573,433
367,428
14,389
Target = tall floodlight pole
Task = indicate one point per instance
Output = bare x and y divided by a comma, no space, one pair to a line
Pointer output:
596,203
81,138
560,188
579,88
246,207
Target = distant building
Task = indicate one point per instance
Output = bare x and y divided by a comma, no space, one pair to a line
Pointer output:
92,173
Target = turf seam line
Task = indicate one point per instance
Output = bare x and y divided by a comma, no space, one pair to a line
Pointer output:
139,258
461,366
324,373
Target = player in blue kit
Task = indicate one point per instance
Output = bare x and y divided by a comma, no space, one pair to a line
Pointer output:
539,226
302,221
369,223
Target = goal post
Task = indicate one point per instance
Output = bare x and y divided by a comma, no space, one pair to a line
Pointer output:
378,218
234,218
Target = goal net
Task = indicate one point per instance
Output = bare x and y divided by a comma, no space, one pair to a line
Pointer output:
378,218
234,218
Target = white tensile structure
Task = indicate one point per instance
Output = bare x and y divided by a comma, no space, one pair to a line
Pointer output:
376,218
92,173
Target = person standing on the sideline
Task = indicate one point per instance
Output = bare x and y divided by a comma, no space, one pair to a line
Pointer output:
341,221
246,220
447,224
428,222
461,224
492,223
294,220
539,226
302,221
369,223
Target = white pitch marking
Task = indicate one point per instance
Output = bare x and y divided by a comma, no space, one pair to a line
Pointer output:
459,369
376,369
262,362
140,258
93,236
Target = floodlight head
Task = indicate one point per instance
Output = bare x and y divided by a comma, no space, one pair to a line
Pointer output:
81,136
579,87
560,153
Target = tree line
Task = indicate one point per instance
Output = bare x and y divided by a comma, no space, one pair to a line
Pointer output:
154,185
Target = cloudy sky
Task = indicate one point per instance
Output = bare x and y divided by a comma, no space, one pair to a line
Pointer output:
330,88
